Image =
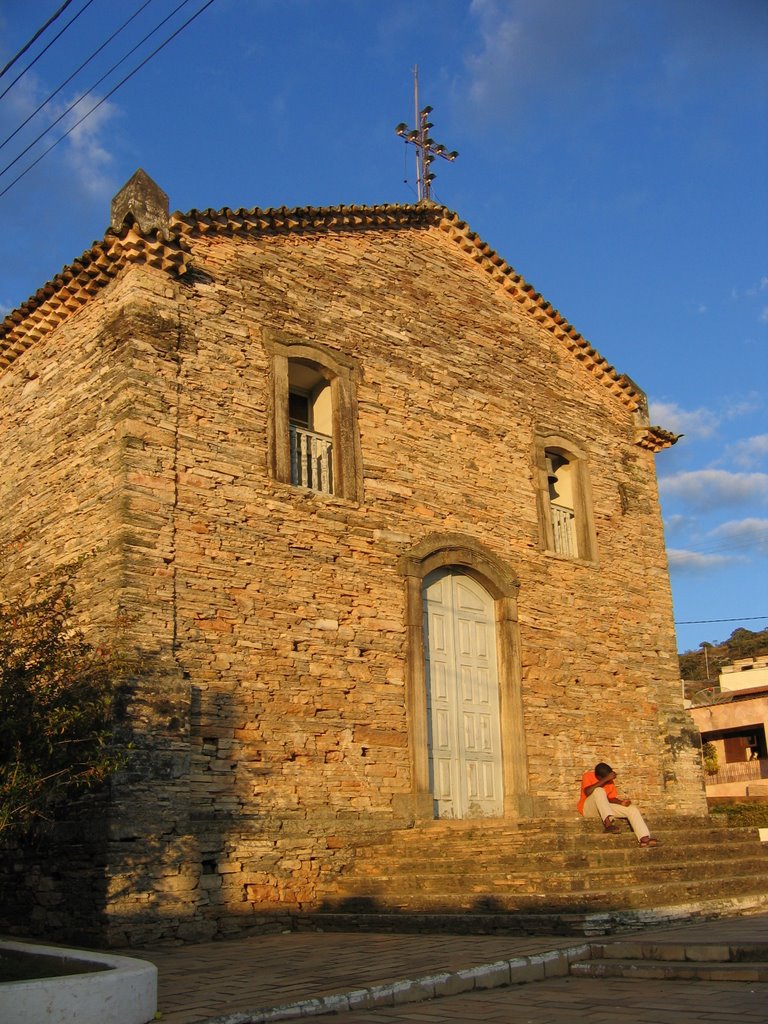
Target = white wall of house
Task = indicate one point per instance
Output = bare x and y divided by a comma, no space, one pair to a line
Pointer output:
744,674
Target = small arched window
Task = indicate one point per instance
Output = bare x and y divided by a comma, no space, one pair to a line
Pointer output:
565,504
314,440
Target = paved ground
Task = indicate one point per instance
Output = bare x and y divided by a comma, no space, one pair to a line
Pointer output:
225,980
582,1001
217,978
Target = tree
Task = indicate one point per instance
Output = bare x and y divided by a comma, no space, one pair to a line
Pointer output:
707,661
57,705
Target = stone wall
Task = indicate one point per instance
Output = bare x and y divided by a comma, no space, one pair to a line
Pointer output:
270,722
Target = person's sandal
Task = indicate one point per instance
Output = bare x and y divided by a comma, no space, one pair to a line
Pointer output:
610,826
649,841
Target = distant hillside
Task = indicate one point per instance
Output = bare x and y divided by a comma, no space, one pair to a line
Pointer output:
742,643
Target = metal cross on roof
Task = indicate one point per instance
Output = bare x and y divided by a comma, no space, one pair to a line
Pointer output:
426,147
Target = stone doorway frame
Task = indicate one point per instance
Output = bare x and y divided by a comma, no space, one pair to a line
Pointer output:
443,551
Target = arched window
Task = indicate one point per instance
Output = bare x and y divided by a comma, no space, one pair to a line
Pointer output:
564,499
314,440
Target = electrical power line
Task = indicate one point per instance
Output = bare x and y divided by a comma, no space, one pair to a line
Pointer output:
35,37
755,538
759,535
103,100
66,81
46,48
88,92
700,622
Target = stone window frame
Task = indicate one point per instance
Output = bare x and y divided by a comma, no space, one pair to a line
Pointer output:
343,373
465,554
586,540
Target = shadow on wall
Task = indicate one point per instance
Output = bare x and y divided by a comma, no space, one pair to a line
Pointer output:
184,843
63,881
53,883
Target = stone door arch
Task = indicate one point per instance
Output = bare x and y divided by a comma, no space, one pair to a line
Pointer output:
466,556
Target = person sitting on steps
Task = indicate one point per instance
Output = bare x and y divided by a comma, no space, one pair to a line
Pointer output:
600,799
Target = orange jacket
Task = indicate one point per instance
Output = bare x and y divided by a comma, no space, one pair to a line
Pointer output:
589,779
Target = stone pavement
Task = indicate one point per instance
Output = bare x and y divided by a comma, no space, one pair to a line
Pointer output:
240,980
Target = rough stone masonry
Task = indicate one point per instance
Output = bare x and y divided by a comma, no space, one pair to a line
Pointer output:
288,700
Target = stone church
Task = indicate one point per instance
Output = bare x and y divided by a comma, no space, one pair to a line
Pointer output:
383,527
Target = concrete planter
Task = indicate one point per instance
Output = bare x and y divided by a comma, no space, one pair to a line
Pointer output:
90,988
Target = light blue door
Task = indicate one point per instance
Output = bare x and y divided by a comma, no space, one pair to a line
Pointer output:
462,697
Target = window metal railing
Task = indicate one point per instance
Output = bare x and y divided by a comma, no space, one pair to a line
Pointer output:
311,460
564,530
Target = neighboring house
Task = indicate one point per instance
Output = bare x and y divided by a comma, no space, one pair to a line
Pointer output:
745,673
383,526
733,718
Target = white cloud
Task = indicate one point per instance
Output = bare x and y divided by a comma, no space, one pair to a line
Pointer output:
677,523
586,56
502,40
754,292
86,146
700,423
737,541
694,423
748,534
520,43
752,402
706,489
692,562
748,451
84,153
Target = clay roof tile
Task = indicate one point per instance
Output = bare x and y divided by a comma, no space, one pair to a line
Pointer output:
168,250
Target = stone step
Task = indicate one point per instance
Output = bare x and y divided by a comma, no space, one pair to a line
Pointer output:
550,898
568,820
564,878
611,852
581,921
670,970
424,842
458,924
602,851
555,825
694,952
439,870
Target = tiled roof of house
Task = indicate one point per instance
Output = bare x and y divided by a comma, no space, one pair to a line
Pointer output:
170,251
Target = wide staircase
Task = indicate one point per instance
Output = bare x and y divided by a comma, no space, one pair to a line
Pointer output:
546,877
675,961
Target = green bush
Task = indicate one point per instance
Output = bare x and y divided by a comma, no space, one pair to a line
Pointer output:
57,705
709,755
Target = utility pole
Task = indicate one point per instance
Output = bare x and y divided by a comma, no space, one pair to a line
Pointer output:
426,148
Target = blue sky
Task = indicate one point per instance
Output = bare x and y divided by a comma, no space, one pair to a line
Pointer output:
614,152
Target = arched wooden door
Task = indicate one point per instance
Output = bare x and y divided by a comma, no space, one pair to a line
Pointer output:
464,734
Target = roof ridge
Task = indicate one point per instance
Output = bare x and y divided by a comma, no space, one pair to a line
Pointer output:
79,281
203,222
71,288
543,310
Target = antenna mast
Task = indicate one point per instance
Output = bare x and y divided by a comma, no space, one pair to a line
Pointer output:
426,148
